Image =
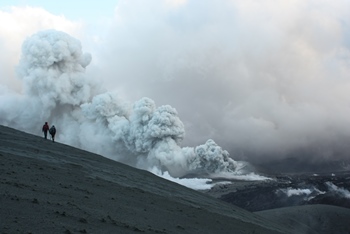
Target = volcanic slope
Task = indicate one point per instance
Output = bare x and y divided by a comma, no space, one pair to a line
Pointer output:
48,187
313,218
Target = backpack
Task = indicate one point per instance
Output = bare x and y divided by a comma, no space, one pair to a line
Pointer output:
52,131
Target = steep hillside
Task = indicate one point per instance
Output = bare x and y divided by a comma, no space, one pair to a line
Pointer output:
49,187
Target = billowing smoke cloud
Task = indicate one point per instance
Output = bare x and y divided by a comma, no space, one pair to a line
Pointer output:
265,79
52,68
20,23
154,135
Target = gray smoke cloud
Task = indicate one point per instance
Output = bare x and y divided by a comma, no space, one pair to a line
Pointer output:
52,67
52,70
265,79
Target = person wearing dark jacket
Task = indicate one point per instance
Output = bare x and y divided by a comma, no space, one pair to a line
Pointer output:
52,132
45,129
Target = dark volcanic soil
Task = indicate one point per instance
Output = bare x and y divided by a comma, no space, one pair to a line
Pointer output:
49,187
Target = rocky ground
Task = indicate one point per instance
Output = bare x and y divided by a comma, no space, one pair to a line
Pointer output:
50,187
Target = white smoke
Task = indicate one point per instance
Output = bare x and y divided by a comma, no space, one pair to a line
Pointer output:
341,191
52,67
268,79
155,133
194,183
310,193
296,192
56,89
264,79
240,175
306,194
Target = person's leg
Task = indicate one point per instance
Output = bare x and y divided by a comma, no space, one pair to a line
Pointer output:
45,134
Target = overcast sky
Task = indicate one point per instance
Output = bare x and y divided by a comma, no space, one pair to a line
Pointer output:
262,78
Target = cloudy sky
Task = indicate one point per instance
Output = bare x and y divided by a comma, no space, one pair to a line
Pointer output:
264,79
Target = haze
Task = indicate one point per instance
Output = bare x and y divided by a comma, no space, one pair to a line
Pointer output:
263,79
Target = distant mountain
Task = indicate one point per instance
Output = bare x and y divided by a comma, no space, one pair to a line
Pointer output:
287,190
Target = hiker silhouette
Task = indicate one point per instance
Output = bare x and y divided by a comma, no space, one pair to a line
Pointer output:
45,128
52,132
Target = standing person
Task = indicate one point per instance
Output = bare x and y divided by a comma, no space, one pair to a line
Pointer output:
52,131
45,129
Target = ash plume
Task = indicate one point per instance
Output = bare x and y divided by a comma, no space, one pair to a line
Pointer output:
268,81
52,68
